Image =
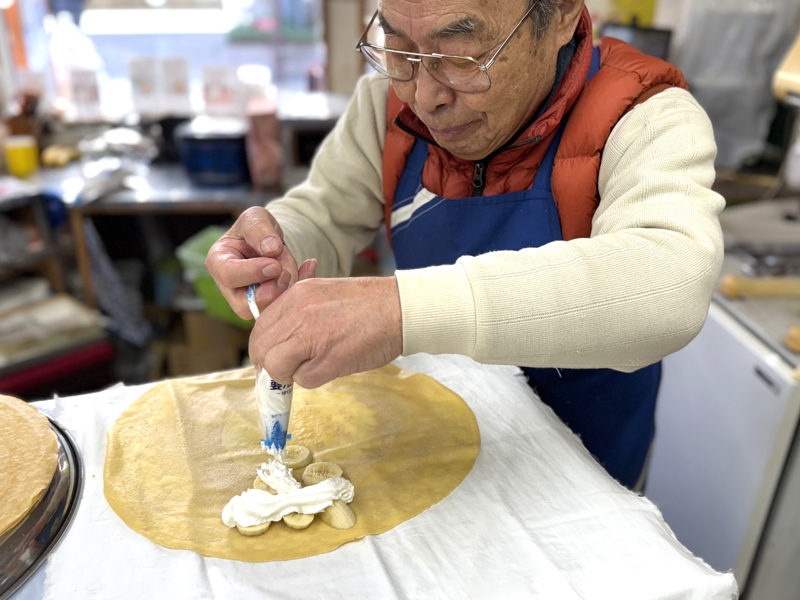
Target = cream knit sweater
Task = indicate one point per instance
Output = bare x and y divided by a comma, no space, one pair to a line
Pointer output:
635,291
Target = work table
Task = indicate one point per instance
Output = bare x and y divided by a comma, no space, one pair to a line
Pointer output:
163,189
536,517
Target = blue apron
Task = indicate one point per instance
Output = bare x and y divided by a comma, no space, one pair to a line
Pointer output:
612,412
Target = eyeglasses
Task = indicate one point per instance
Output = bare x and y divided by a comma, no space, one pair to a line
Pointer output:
461,73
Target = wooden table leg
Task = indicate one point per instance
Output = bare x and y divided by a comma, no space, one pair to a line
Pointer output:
53,269
76,217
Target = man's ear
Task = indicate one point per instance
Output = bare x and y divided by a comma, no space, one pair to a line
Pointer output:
567,16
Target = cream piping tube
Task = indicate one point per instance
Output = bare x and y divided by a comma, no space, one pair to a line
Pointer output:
274,401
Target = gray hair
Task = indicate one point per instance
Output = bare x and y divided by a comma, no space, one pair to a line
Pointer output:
541,15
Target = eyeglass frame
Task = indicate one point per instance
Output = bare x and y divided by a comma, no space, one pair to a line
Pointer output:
415,62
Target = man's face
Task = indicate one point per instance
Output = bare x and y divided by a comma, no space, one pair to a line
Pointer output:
473,125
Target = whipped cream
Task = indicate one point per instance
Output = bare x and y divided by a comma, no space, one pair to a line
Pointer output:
255,507
278,476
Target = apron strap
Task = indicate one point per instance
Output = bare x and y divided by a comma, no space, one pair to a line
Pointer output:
411,180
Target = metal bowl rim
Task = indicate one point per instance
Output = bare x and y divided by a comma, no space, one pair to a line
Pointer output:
77,493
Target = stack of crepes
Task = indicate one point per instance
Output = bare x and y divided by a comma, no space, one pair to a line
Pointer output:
28,460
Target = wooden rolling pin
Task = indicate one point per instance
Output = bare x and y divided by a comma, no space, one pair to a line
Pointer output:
738,286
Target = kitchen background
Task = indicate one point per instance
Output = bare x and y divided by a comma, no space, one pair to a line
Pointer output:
135,131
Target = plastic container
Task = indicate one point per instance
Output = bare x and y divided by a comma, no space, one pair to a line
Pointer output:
213,151
21,155
192,255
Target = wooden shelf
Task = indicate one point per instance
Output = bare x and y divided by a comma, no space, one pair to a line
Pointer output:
35,260
31,211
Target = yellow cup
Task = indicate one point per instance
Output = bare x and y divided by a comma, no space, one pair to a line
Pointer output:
22,155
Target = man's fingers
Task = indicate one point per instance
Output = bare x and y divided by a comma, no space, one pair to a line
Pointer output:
289,275
282,360
268,292
308,270
291,364
237,299
260,231
311,374
240,273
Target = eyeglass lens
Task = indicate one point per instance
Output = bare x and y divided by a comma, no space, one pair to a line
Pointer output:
459,74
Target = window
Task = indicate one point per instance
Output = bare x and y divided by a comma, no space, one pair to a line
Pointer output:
284,35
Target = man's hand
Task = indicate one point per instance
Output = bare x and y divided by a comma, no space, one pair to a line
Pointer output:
252,251
321,329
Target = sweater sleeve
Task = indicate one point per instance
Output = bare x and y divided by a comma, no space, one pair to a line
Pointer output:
636,290
335,213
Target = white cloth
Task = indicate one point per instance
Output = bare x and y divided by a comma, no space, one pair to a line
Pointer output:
536,517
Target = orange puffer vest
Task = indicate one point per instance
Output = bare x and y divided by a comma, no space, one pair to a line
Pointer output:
626,78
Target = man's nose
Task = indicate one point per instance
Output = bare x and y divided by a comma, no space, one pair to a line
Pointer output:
430,94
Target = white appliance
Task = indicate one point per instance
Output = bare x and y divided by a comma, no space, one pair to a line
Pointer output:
725,420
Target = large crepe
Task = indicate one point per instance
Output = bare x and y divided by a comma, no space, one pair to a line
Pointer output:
179,453
28,460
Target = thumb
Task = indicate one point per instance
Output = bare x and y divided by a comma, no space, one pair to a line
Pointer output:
307,270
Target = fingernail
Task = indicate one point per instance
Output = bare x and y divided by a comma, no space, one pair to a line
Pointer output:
270,244
284,279
271,271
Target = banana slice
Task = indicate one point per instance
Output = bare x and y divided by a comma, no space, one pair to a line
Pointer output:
296,456
320,471
298,520
255,529
338,515
260,485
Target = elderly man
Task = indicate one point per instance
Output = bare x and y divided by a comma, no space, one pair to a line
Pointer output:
548,204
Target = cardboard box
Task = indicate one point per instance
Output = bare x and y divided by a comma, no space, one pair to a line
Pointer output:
184,359
203,331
